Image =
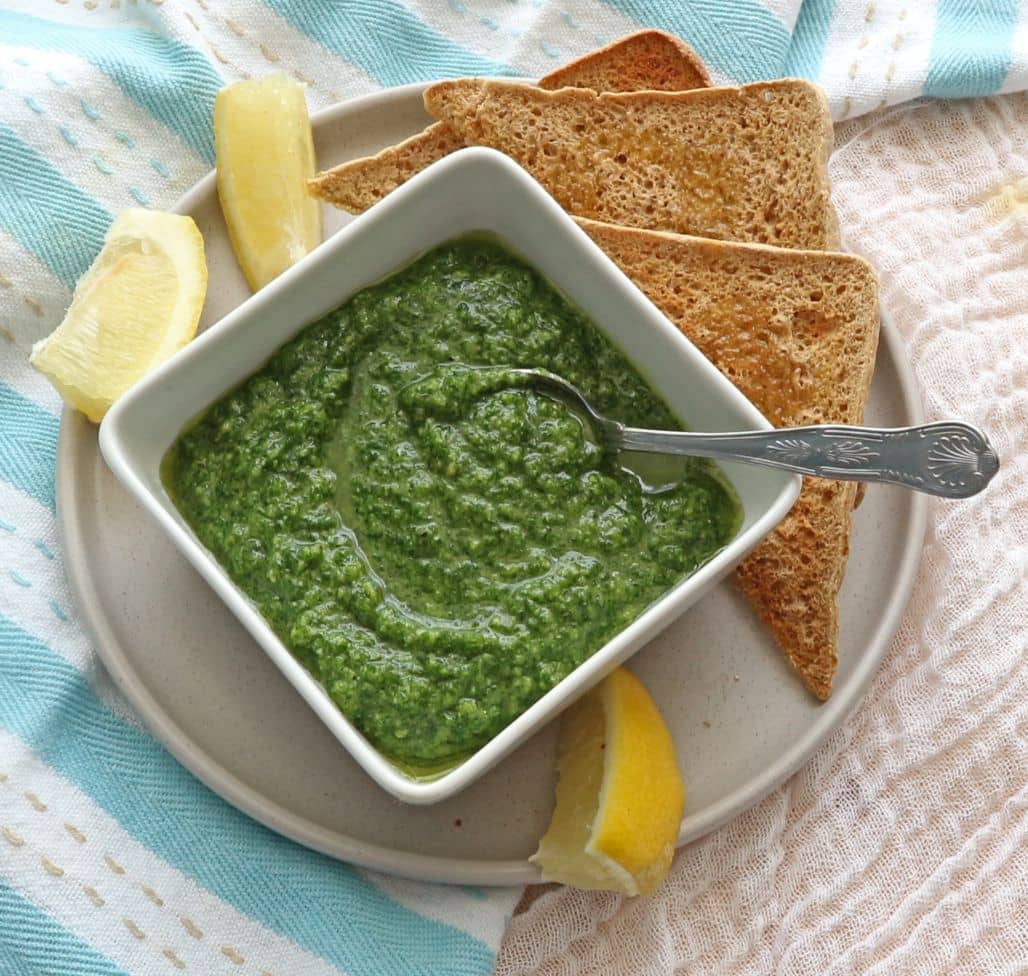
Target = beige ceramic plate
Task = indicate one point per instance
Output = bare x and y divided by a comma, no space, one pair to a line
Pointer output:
741,722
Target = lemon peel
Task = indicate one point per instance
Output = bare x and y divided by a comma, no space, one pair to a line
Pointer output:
265,155
620,795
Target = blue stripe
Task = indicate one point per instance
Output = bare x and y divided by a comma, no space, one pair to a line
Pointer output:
971,48
742,38
172,81
318,903
385,39
809,37
33,943
28,446
46,213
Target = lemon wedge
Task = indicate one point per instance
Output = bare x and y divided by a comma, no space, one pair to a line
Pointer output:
265,155
139,302
620,794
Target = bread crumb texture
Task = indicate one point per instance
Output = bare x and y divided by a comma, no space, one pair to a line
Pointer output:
797,333
744,164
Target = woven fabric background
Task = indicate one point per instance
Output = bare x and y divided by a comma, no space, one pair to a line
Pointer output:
899,847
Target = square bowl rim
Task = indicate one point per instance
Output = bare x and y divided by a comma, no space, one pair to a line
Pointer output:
126,465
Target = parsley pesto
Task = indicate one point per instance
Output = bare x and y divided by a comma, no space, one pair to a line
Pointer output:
439,569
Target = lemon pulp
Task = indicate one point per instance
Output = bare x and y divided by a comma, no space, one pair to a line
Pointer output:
265,155
139,302
620,795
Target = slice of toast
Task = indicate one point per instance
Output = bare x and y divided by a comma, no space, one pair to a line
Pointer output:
797,332
745,164
649,60
361,183
646,60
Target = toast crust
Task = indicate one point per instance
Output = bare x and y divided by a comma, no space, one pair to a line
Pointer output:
646,60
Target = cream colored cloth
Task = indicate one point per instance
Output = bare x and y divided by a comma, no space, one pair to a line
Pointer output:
902,847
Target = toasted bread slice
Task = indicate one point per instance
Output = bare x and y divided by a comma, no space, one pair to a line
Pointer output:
649,60
797,332
361,183
646,60
745,164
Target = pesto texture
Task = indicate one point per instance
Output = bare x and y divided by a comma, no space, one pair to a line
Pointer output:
438,546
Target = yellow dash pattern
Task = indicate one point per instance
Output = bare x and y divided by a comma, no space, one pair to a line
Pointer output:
134,930
113,864
190,926
169,954
51,868
75,833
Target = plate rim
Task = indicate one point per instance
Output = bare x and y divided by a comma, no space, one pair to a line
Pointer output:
440,868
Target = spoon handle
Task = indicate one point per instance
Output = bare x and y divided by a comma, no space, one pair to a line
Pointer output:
949,459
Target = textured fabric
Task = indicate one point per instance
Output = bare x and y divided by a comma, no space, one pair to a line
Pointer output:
902,847
115,859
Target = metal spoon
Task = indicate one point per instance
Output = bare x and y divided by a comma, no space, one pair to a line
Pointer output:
950,459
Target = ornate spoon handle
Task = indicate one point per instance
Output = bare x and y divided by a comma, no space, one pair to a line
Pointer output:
949,459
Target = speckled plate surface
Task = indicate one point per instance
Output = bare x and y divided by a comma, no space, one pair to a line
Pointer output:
741,722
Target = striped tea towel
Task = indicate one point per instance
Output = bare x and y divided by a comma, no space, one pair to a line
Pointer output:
113,859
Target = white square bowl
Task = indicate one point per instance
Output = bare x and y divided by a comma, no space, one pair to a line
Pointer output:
471,190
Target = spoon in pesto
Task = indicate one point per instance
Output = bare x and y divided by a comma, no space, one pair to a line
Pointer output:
950,459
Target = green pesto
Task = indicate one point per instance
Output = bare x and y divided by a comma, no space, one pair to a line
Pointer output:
440,554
